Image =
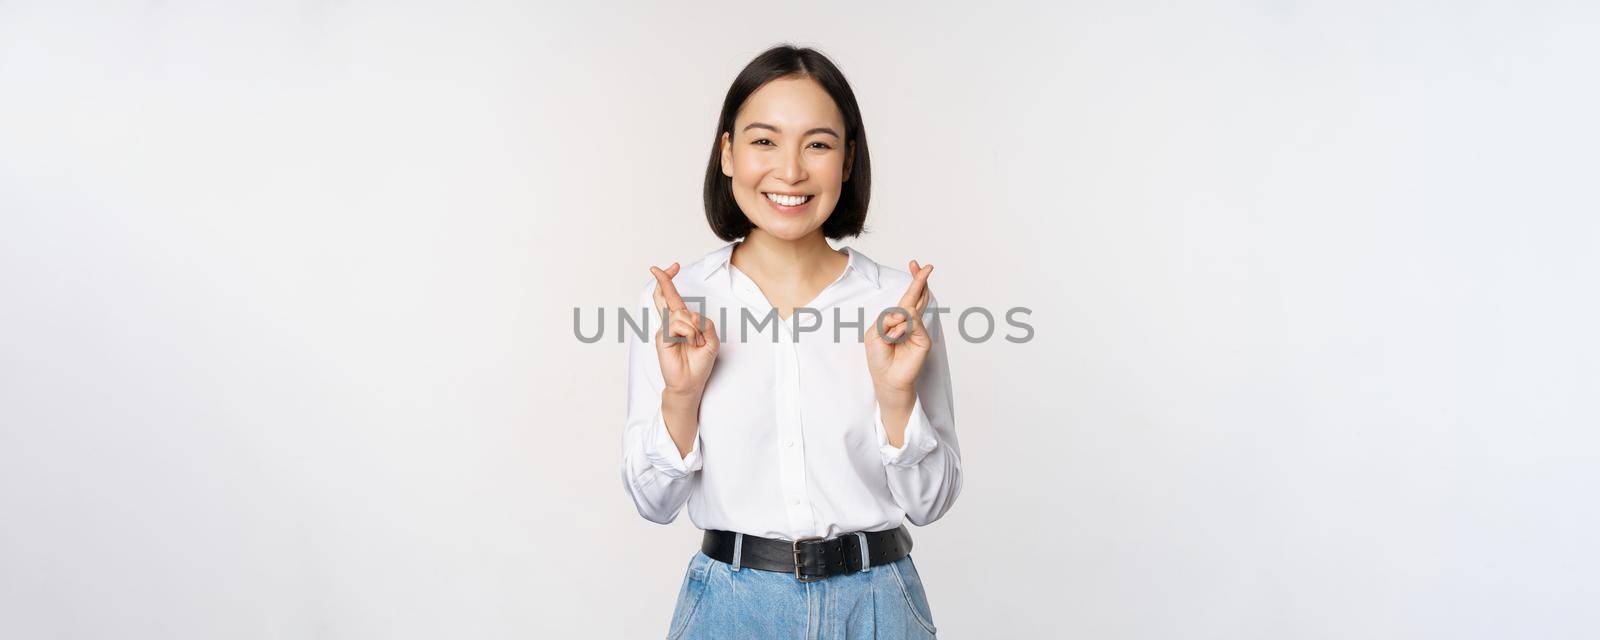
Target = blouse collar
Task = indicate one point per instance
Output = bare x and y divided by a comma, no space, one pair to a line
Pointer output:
859,264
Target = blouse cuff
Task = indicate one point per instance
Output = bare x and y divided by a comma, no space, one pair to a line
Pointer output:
663,454
919,437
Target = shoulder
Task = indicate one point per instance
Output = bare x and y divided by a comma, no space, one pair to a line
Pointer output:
892,276
892,280
692,275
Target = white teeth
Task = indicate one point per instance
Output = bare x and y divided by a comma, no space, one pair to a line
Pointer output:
788,201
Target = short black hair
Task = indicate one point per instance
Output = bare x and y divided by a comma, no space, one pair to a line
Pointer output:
850,215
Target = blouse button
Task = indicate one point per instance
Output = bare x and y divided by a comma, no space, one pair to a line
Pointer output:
788,443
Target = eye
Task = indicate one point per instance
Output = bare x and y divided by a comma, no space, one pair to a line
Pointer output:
821,145
763,141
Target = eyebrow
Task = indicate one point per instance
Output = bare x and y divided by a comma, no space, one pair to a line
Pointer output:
763,125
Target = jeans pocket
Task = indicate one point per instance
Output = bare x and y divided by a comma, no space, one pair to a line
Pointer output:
910,582
694,587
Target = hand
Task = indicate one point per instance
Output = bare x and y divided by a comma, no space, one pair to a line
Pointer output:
895,366
687,345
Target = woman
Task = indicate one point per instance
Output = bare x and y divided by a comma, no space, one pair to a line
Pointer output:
800,445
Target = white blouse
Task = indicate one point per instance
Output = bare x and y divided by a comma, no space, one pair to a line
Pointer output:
790,442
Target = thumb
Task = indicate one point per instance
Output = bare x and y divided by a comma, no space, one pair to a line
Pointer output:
709,330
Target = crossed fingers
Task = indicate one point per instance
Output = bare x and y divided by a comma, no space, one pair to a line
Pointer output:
915,300
684,325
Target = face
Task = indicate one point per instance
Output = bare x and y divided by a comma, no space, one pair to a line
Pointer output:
787,157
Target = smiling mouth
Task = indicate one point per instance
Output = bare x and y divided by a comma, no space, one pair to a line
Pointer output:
788,201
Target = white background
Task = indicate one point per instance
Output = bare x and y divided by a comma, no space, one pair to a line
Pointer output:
286,294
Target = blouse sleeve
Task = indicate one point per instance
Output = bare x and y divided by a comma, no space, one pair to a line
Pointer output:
925,471
657,478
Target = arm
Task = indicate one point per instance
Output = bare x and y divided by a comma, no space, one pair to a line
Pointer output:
661,441
917,439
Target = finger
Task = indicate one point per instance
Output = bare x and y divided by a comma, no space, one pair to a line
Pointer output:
682,331
661,298
666,288
923,300
921,325
709,332
664,284
701,325
892,320
919,276
887,334
698,323
895,323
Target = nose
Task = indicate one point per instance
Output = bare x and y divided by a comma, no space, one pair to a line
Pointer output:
790,168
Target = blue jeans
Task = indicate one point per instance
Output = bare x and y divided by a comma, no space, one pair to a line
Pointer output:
721,602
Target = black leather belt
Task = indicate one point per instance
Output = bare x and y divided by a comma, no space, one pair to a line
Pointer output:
810,559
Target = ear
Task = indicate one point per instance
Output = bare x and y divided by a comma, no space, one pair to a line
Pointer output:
727,155
849,161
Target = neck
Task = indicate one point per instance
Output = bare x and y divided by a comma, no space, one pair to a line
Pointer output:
788,260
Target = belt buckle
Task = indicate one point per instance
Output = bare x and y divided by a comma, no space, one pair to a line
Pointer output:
795,548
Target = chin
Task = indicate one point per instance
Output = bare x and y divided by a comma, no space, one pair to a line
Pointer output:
784,228
787,229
